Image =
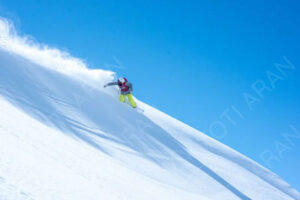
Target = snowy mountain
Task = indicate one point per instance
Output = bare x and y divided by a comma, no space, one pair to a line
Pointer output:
63,137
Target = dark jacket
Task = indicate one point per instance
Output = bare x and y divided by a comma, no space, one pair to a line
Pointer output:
125,89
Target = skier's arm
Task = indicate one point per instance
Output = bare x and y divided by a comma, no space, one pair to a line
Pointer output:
111,84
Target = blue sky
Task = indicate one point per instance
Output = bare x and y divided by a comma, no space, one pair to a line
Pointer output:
194,60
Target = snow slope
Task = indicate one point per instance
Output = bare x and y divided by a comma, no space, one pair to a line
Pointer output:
65,137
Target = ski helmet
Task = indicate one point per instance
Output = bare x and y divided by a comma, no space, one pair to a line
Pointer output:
122,80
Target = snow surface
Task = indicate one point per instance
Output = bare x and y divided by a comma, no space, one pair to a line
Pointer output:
64,137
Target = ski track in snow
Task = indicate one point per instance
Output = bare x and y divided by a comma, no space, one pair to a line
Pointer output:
10,192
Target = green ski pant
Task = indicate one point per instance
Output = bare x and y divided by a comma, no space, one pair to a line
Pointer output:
130,99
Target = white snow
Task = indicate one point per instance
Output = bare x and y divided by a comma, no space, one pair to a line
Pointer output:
63,136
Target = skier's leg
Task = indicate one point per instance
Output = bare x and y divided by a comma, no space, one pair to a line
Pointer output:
122,98
131,101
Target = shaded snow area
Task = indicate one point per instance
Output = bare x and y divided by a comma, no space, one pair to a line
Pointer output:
64,137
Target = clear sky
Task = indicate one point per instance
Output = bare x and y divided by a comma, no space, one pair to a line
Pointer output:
211,64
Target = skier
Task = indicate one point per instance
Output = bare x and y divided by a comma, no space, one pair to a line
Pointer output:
126,90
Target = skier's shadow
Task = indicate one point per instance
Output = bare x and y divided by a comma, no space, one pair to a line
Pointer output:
49,97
